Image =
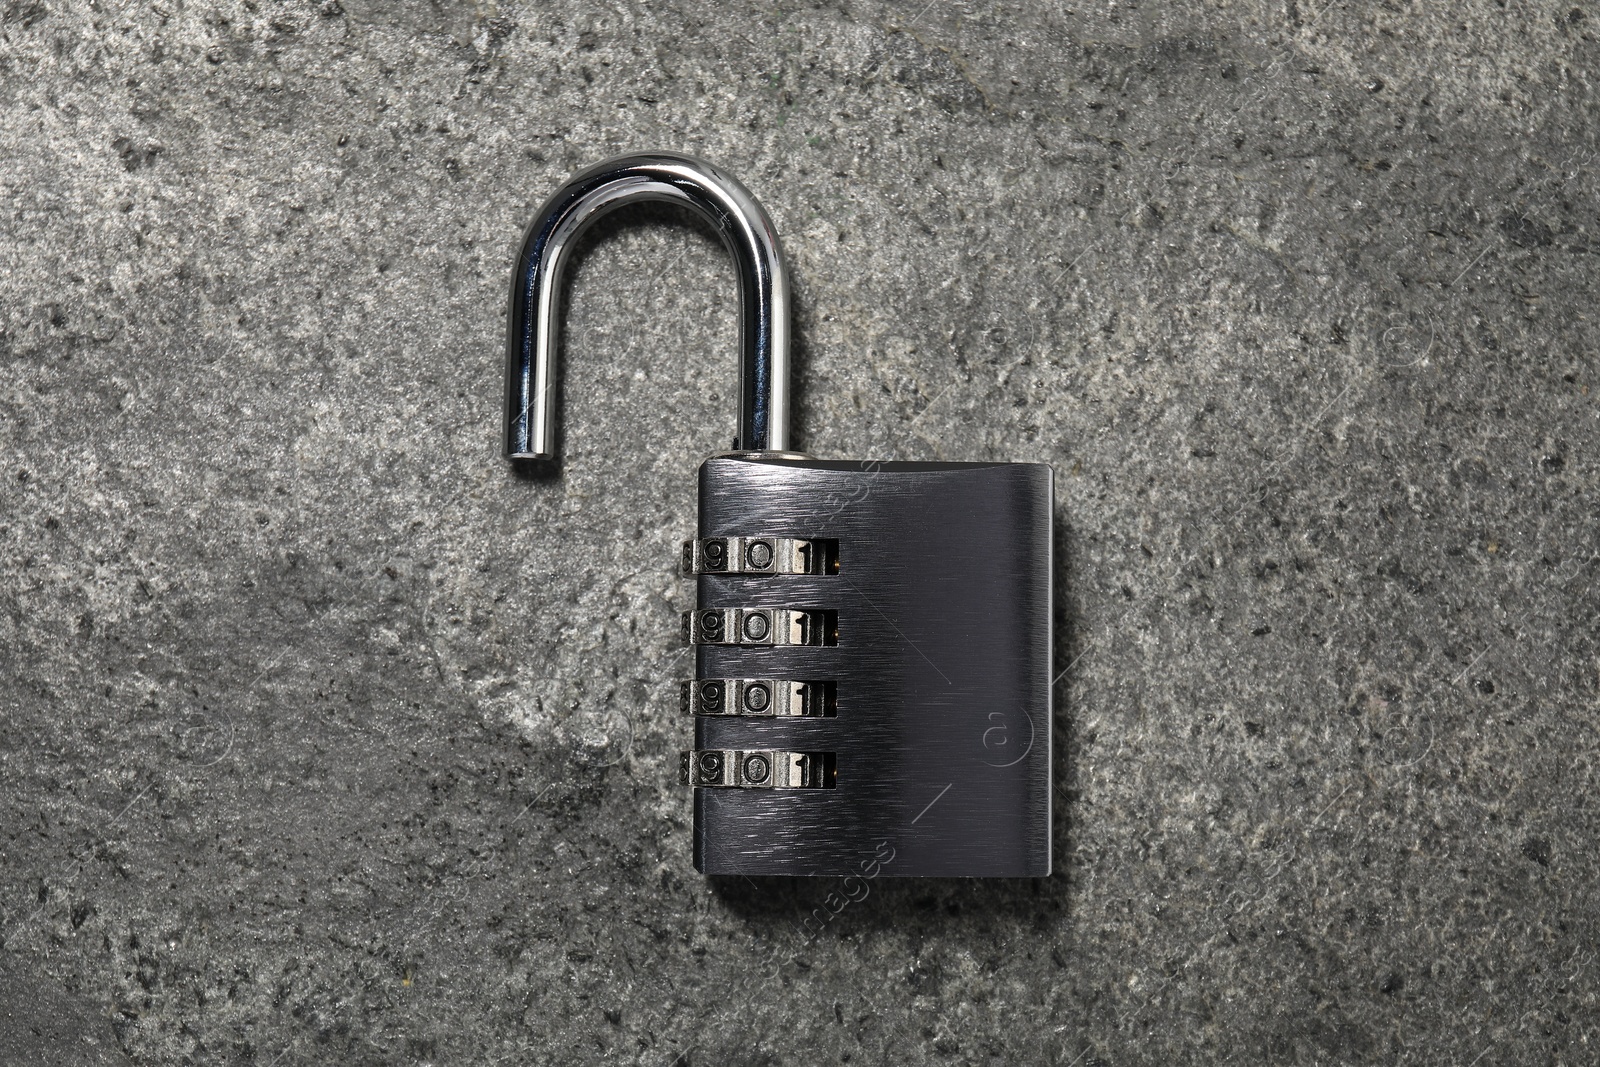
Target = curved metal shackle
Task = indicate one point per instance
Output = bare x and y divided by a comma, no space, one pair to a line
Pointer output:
536,290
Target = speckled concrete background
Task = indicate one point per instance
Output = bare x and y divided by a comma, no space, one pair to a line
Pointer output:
327,738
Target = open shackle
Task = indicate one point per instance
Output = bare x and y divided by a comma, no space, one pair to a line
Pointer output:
533,325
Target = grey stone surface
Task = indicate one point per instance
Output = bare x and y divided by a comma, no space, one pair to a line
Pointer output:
326,738
42,1025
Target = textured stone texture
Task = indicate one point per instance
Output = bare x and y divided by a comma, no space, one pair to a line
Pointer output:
41,1025
327,738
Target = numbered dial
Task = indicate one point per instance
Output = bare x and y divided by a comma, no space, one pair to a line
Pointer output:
757,769
757,697
760,626
760,555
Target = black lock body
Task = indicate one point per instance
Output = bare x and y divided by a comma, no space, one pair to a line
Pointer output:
922,649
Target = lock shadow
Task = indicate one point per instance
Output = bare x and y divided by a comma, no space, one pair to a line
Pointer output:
813,905
799,362
1069,650
539,471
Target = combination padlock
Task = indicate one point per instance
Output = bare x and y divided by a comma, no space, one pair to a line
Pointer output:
872,640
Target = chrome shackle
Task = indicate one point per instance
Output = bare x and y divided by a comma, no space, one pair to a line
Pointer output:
533,322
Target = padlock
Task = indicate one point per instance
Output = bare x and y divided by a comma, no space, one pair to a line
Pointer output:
872,640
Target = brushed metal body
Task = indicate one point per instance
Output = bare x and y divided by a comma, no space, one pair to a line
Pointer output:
942,666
